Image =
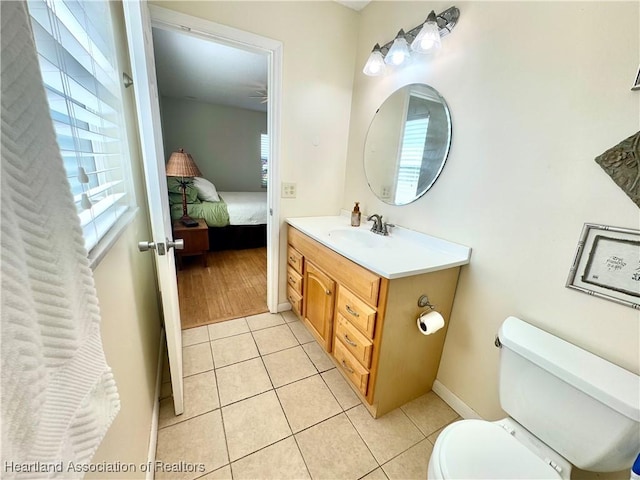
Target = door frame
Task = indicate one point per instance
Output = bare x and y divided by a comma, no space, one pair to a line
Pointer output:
173,20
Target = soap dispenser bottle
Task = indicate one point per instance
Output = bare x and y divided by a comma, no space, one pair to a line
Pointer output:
355,215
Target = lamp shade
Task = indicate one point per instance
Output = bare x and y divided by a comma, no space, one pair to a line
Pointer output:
399,51
181,164
428,40
375,64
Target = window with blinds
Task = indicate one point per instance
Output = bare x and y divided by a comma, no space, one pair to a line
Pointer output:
264,159
76,51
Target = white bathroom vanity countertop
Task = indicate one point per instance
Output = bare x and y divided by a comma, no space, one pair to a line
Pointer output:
402,253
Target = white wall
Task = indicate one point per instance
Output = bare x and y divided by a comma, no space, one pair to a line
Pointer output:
128,296
224,141
536,91
319,44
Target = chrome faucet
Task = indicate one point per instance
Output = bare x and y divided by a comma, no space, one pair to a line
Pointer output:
379,227
377,222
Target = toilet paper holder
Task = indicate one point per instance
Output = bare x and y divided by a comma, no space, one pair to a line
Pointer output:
423,302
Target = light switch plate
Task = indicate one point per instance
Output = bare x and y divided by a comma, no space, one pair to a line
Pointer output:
288,190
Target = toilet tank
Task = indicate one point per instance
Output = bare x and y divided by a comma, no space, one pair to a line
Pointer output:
582,406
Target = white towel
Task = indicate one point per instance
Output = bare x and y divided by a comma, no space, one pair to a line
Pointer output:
58,394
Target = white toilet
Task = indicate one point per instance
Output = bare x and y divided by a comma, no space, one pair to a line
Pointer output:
566,406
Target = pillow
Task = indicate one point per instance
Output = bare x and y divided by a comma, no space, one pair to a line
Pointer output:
173,185
206,189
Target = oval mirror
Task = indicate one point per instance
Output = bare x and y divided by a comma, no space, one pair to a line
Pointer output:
407,144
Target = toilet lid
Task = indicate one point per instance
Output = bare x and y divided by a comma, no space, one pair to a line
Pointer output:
477,449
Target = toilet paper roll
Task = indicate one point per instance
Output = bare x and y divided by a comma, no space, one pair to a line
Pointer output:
430,322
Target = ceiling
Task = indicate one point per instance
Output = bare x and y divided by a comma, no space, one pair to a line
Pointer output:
197,69
192,68
356,5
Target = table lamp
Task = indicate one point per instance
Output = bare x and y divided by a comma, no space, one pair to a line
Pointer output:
181,165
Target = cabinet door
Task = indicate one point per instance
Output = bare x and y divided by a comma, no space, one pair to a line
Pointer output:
319,298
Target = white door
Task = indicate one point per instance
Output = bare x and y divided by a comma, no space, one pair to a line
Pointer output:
140,43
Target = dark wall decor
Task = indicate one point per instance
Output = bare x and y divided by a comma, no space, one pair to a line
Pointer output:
622,164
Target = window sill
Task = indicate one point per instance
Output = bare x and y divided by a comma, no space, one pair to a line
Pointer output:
107,241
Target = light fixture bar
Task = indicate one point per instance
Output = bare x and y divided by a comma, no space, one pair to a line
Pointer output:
446,21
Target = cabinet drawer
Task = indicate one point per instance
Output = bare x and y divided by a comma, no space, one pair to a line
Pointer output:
356,311
295,300
295,258
357,344
294,280
358,375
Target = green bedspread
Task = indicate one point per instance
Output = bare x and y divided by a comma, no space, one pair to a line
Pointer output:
214,213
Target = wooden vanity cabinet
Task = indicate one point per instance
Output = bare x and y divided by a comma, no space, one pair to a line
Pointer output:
368,322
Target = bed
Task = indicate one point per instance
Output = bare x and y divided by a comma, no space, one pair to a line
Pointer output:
236,220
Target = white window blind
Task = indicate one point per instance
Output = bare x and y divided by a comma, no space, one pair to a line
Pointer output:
76,51
415,135
264,159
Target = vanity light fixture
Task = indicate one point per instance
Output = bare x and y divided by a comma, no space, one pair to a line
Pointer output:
425,38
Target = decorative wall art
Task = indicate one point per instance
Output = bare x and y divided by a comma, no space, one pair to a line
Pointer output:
622,164
607,264
636,84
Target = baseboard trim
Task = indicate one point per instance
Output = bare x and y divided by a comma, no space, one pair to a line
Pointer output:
464,410
283,307
153,434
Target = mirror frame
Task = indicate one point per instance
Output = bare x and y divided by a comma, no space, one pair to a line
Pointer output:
445,155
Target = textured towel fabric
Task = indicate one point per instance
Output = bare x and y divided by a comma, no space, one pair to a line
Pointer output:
58,394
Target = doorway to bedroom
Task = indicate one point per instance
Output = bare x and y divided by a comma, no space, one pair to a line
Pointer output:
214,104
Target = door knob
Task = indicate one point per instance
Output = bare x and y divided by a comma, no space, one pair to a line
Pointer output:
145,246
162,248
178,244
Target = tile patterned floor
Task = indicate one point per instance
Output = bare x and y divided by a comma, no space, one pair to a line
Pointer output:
264,401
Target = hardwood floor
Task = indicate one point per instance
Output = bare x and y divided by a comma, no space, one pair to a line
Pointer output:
233,285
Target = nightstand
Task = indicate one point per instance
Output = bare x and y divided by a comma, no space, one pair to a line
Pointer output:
196,240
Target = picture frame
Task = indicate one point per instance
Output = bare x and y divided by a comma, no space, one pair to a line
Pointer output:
607,264
636,84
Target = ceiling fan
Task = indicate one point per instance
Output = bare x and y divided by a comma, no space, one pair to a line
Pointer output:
261,94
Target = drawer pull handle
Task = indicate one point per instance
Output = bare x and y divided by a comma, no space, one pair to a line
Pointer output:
292,259
349,341
291,280
346,367
352,312
327,291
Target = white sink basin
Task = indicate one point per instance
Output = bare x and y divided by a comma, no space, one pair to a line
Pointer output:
358,237
400,254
